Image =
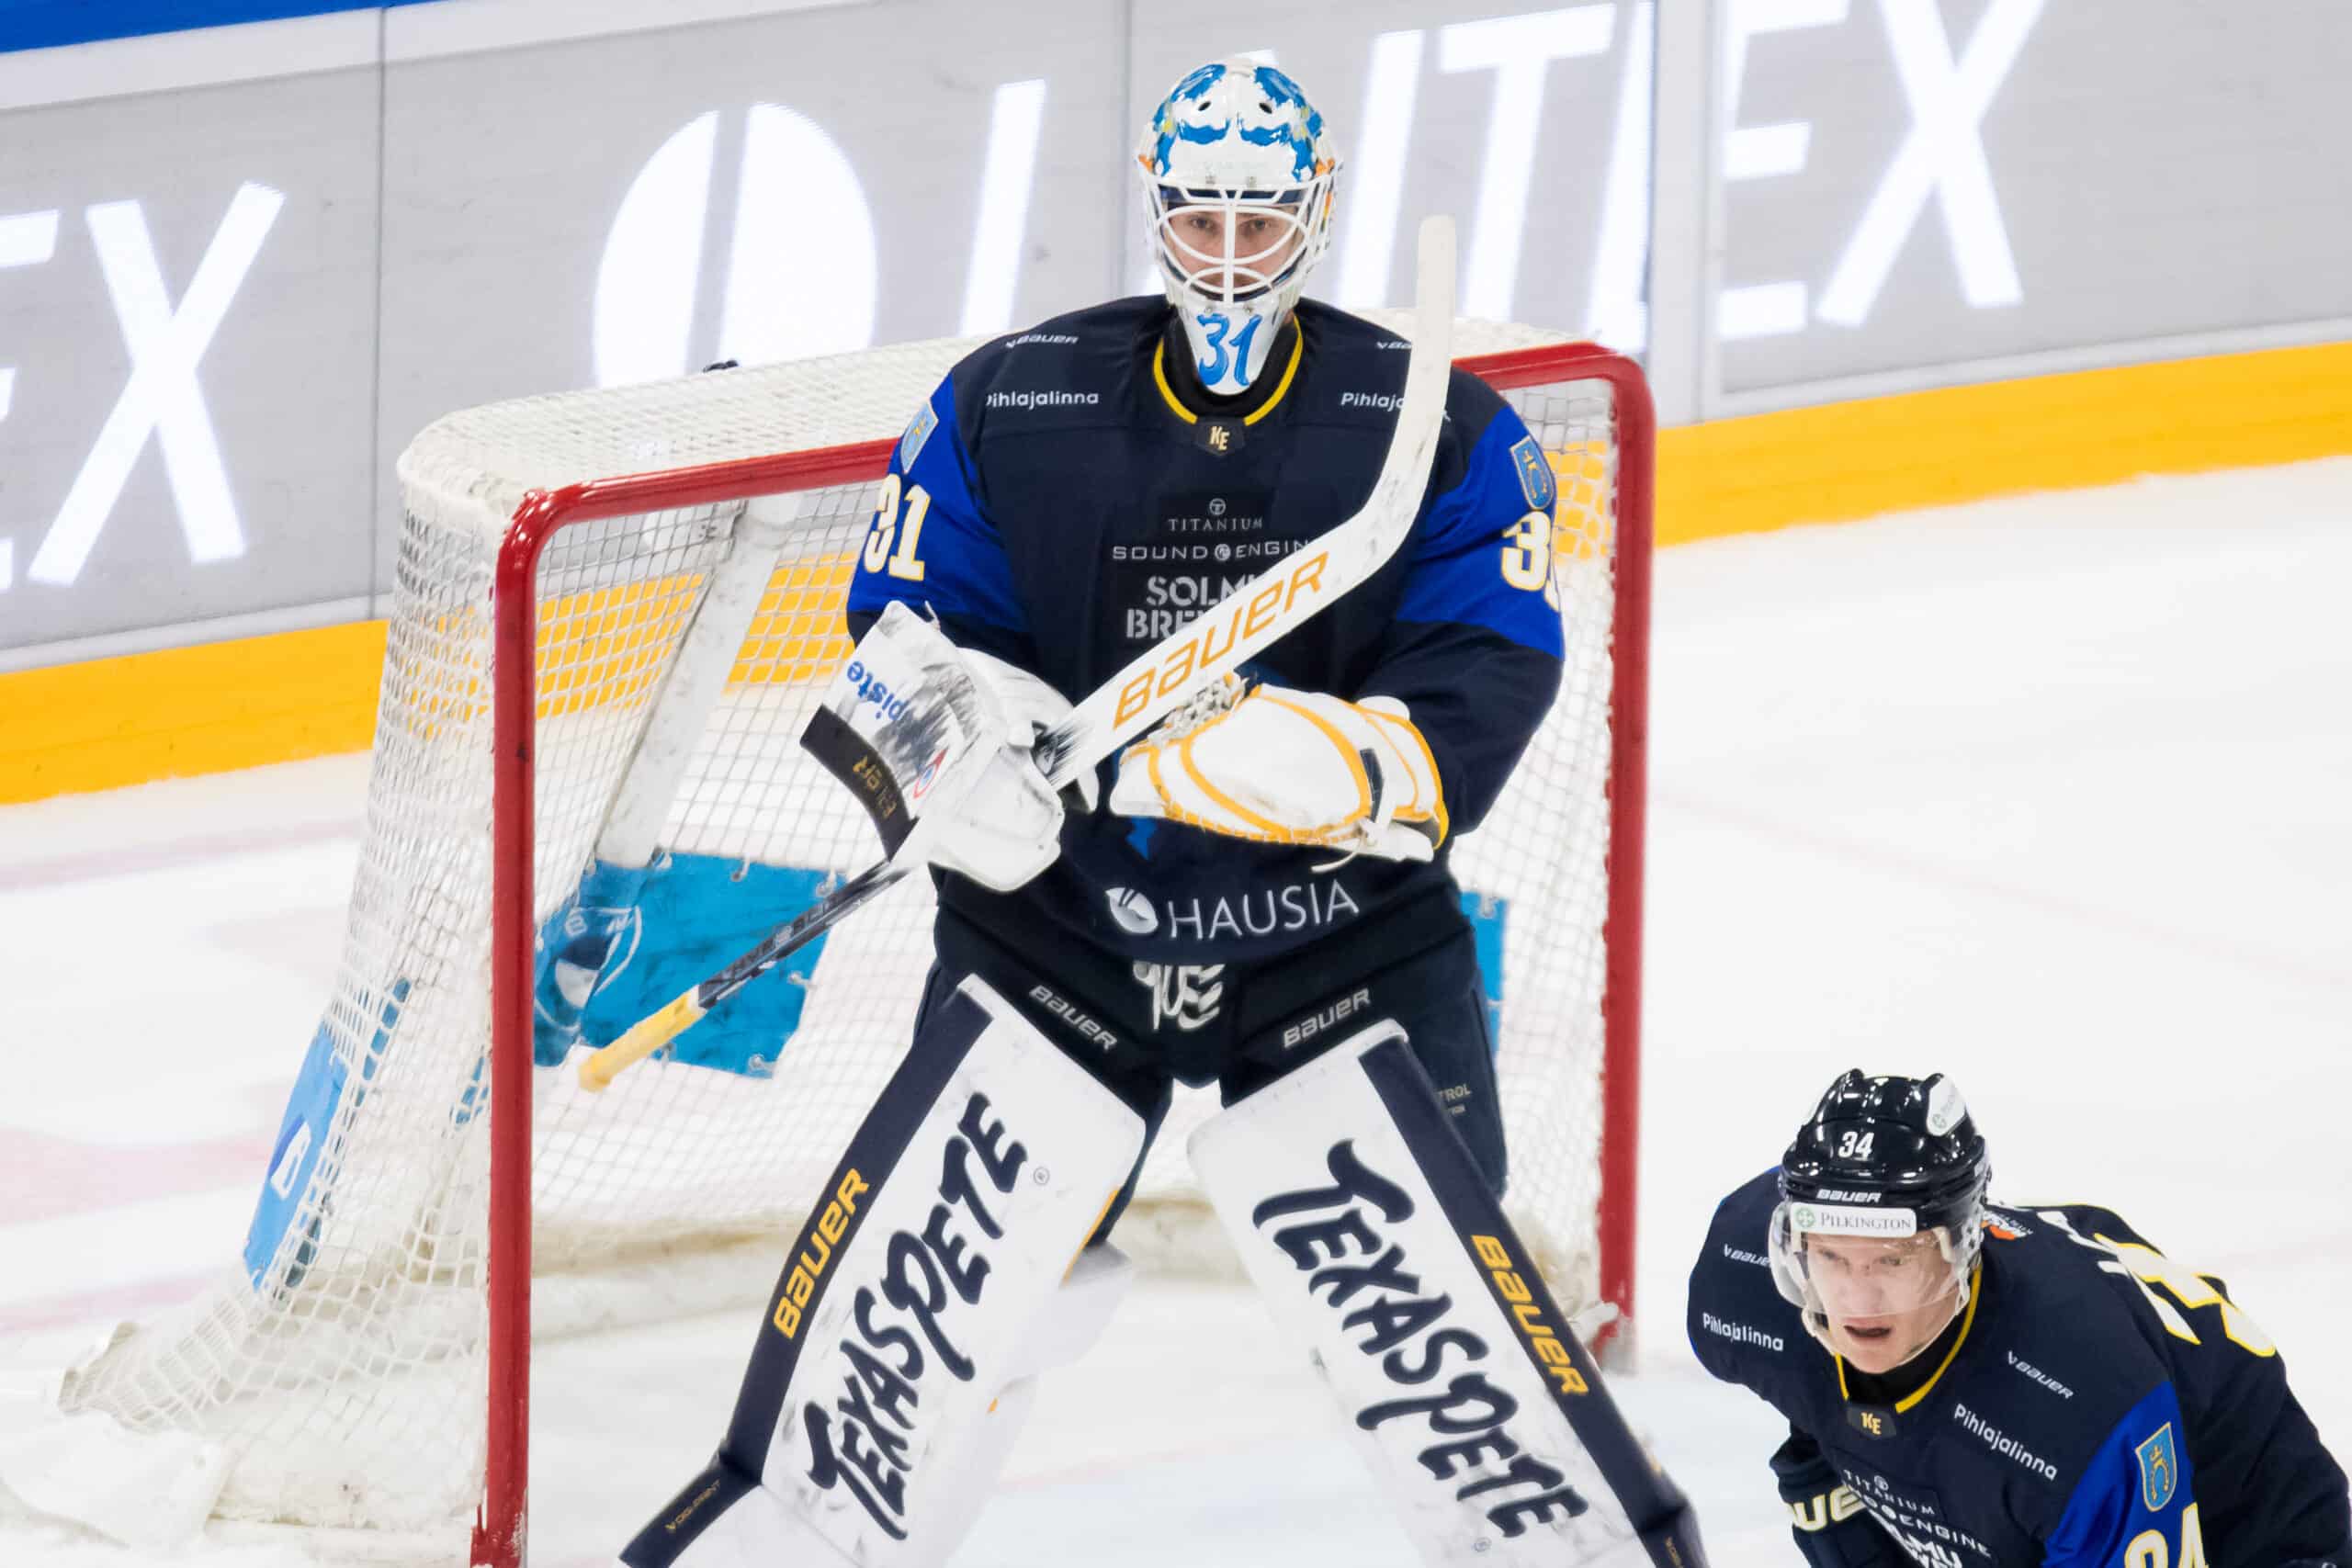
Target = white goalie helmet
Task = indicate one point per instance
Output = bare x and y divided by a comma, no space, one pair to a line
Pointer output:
1238,174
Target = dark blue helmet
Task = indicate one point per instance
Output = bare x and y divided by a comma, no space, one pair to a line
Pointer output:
1887,1159
1893,1143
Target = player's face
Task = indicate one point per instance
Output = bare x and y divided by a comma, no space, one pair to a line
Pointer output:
1262,241
1885,1298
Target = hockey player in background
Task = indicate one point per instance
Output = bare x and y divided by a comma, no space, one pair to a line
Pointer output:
1257,896
1971,1384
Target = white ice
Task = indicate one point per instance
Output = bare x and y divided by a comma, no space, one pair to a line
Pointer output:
2047,793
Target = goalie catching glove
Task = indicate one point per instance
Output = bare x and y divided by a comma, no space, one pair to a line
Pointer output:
1287,767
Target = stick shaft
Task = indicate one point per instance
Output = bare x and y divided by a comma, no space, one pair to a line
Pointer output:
684,1010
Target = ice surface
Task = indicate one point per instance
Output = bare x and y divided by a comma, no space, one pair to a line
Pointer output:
2046,793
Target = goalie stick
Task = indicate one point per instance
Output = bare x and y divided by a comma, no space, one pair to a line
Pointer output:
1165,676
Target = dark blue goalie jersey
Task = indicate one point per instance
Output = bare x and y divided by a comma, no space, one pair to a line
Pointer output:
2100,1407
1064,501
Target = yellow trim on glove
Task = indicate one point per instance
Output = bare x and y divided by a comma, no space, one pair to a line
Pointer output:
1340,743
1174,810
1427,817
1266,828
1445,824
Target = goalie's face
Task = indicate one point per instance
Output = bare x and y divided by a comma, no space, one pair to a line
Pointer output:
1232,251
1884,1299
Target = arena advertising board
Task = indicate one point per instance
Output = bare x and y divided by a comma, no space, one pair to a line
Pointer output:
238,273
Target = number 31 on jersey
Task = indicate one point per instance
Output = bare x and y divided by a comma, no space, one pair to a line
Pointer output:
1530,556
901,563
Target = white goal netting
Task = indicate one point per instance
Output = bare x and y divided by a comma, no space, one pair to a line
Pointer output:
339,1368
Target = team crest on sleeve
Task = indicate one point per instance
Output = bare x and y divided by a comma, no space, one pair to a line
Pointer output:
918,431
2159,1472
1535,479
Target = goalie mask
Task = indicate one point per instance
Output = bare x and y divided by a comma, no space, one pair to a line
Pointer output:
1237,175
1881,1217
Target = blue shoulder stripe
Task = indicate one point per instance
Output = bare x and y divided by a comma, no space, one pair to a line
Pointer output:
1484,555
957,565
2137,1481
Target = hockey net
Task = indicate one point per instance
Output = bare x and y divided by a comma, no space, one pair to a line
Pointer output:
367,1365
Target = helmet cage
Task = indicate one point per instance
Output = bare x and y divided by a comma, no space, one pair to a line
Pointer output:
1234,267
1233,294
1238,143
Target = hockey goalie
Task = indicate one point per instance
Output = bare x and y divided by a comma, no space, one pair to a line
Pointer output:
1254,893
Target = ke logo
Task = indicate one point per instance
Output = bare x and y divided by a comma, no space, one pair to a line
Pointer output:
1869,1422
1220,437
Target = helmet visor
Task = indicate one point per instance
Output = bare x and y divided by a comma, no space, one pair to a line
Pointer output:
1874,1285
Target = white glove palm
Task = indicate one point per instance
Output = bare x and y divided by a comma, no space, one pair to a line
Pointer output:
1289,767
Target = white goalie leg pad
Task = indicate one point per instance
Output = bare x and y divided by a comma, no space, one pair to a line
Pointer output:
943,1270
1068,1325
1364,1221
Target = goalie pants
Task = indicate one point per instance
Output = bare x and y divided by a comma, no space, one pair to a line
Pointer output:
1141,1029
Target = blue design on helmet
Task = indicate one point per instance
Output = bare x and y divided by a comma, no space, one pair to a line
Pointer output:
1194,87
1300,133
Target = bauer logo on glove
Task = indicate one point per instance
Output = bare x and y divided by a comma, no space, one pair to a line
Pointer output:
1286,767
